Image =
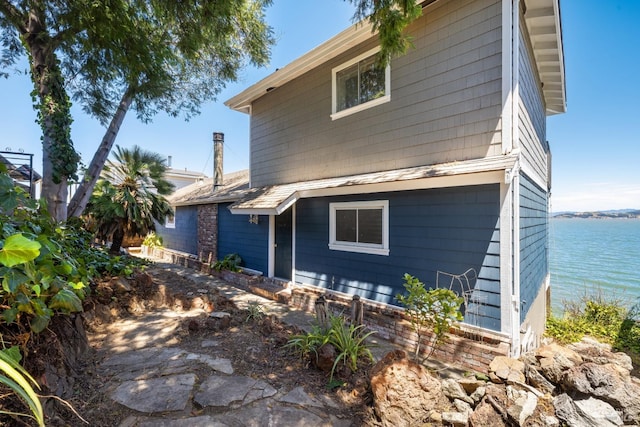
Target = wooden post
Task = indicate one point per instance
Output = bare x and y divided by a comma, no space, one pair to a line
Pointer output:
357,315
321,311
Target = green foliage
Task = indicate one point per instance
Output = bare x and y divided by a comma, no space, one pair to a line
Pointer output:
18,380
152,240
129,197
605,318
231,262
434,309
256,311
389,18
348,340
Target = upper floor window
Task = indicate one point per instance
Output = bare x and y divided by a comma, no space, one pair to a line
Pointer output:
359,84
360,227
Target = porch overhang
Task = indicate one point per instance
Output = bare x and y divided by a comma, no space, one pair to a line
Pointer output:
275,199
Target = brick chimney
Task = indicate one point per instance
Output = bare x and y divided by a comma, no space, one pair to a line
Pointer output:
218,142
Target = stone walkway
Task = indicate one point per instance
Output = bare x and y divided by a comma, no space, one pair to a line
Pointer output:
152,375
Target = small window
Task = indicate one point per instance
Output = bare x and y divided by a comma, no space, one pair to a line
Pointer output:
359,84
359,227
170,221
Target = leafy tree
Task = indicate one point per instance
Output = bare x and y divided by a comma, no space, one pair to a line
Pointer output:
129,196
154,55
113,55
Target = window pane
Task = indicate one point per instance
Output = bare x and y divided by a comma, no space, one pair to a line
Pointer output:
370,226
346,225
347,88
372,84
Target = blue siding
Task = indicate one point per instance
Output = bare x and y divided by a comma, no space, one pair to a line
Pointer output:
237,235
184,237
534,225
450,230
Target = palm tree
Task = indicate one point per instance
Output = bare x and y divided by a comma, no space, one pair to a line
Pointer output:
130,195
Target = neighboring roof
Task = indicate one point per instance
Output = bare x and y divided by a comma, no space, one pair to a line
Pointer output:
543,20
21,172
273,200
545,29
233,187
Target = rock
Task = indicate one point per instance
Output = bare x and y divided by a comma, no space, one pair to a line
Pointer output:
462,406
120,285
537,380
169,393
455,418
554,359
478,394
453,390
486,415
404,392
589,413
234,391
326,357
470,384
506,369
549,421
609,382
593,351
522,404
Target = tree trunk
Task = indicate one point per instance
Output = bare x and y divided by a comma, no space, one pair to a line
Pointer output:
54,115
83,193
116,240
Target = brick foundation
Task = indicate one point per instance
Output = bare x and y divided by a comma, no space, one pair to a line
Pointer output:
467,347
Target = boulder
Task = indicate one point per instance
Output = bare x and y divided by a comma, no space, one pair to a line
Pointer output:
555,359
326,357
608,382
596,352
453,390
589,412
486,415
404,392
521,404
477,395
470,384
537,380
506,369
456,418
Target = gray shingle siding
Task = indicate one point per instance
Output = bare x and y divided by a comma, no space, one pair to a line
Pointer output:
534,234
445,105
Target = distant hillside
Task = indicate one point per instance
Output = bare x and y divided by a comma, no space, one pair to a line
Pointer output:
621,213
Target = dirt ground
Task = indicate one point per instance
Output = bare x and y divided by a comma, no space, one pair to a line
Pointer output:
253,344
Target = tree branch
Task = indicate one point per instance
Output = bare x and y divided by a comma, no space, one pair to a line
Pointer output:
14,15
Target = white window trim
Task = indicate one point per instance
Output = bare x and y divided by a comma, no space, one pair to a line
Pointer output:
369,104
365,248
170,221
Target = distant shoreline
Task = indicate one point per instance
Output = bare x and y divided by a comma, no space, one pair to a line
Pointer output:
617,214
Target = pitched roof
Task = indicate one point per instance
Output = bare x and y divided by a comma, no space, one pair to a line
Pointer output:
542,18
275,199
202,192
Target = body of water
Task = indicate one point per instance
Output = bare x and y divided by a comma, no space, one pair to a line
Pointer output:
594,255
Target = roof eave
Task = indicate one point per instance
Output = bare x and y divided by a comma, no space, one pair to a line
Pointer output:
352,36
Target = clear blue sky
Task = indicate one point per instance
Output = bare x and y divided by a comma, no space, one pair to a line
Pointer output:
595,145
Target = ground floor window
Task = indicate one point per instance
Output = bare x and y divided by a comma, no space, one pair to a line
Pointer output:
359,227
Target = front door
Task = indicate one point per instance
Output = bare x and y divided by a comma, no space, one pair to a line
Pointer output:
283,241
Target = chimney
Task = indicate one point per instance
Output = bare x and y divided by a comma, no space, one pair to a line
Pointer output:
169,158
218,141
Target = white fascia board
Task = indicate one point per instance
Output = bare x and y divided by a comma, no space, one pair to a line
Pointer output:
352,36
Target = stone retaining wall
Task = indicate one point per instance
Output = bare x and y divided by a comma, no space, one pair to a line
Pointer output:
468,347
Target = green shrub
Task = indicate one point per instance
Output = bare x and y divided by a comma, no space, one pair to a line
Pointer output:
152,240
348,340
230,262
434,309
605,318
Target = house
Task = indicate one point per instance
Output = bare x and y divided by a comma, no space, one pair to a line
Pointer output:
436,166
